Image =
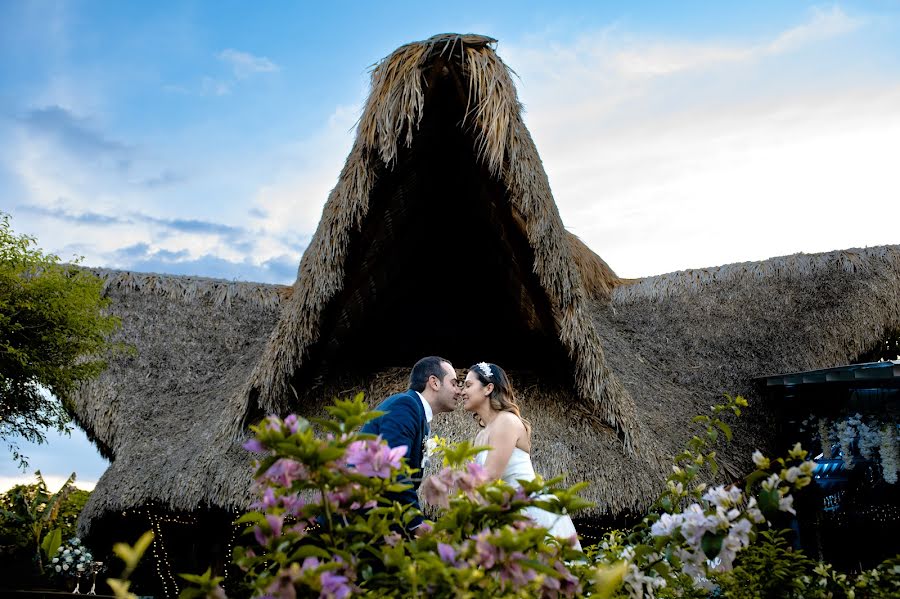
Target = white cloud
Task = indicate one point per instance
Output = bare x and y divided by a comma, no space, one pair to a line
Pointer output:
294,199
244,64
709,165
54,482
667,57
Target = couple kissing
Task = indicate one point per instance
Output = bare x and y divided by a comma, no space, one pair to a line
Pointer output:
486,392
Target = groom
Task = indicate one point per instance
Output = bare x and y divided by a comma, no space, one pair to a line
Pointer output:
433,389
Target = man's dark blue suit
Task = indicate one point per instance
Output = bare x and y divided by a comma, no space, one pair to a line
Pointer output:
403,423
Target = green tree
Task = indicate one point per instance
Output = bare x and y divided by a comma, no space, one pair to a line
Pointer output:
54,335
30,513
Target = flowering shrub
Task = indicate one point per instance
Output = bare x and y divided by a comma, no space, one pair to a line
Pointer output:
323,527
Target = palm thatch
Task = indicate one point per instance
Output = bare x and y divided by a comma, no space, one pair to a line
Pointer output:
159,412
443,215
441,134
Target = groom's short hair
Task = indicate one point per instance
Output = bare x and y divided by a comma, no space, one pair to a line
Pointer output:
424,369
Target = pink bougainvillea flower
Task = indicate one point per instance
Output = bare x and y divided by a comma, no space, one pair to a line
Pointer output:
292,422
436,492
254,445
334,586
447,553
285,471
375,458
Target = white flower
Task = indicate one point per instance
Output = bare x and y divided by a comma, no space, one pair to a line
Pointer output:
65,566
58,569
722,497
761,461
55,559
666,525
695,524
753,511
786,504
797,452
771,482
792,474
642,585
675,488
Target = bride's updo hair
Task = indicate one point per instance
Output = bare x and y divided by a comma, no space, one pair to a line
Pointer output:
502,398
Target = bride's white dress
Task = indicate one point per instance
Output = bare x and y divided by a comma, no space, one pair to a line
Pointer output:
520,468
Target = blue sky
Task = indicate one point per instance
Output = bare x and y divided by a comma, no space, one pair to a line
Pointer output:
203,138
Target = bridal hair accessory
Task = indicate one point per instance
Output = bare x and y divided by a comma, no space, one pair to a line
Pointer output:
485,369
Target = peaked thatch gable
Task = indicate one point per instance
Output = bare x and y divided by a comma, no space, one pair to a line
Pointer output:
446,102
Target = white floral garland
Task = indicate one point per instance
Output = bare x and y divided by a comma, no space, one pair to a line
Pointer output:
825,438
846,433
869,439
888,451
874,441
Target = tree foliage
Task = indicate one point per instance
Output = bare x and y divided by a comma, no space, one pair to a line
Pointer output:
29,513
54,335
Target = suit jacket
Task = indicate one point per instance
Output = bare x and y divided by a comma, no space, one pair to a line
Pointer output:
403,423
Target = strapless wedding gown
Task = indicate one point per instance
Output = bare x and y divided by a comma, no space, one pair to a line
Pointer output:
520,468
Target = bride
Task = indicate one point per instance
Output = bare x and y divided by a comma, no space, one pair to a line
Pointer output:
488,394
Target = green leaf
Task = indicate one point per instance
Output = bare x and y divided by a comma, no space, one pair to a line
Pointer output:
132,555
754,478
712,543
52,542
713,464
768,500
726,430
251,518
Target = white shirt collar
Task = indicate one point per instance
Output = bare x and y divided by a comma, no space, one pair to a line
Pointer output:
427,406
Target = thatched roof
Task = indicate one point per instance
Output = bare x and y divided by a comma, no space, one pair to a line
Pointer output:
443,215
160,413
